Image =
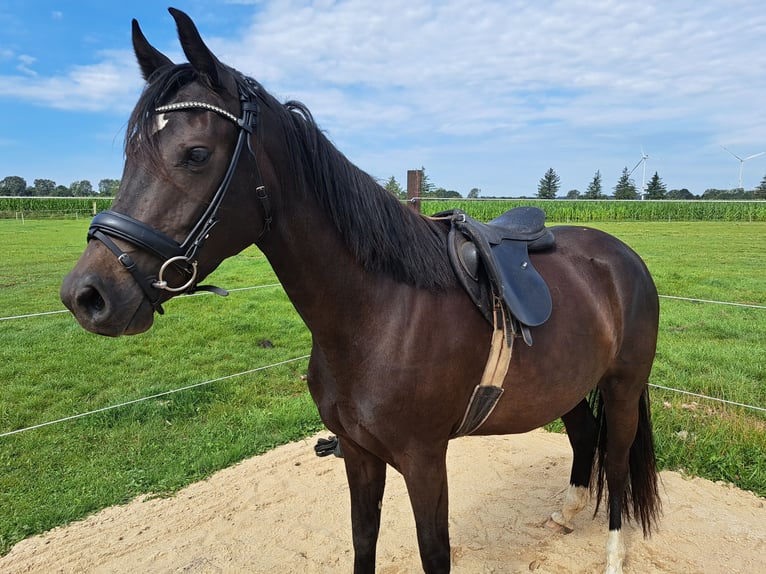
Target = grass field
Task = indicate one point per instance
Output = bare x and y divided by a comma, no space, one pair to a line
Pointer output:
52,369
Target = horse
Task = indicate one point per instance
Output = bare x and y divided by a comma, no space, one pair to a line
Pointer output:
214,164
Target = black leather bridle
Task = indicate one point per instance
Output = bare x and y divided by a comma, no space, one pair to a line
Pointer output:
183,256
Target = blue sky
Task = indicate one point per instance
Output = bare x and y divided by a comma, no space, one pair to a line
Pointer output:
481,93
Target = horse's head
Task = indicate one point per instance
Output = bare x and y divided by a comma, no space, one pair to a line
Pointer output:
191,193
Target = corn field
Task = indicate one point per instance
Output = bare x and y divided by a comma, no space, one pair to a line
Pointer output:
561,211
51,207
582,211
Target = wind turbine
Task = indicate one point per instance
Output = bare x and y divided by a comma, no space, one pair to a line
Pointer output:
742,162
643,159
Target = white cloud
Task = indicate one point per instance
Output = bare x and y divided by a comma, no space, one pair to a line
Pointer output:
25,65
467,63
112,83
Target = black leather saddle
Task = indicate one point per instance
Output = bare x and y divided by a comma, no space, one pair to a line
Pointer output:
494,258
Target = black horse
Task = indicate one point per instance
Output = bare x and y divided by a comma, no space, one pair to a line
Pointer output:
214,164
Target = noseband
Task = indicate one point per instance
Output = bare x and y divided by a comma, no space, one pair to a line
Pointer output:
182,256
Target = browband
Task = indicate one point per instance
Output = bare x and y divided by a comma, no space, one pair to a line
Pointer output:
178,106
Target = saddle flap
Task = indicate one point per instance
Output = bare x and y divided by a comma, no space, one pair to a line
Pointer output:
520,285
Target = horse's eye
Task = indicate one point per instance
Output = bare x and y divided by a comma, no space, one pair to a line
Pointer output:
197,156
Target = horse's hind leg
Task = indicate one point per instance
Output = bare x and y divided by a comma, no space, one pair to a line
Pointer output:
622,423
582,432
630,466
366,475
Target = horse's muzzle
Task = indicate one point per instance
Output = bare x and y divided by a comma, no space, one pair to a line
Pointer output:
94,303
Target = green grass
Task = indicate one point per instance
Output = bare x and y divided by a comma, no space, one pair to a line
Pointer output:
51,368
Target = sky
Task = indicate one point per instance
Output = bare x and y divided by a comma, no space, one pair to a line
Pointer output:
481,93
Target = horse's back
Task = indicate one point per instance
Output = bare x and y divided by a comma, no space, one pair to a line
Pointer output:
607,259
599,270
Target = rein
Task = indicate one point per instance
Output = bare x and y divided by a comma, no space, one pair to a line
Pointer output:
183,256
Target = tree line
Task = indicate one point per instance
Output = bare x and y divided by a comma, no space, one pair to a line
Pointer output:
625,188
14,185
548,188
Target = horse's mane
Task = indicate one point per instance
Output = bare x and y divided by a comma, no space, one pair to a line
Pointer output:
384,235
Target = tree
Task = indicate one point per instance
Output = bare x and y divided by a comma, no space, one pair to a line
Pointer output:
549,185
474,193
81,188
392,186
44,187
13,185
656,188
441,192
760,191
594,187
726,194
427,188
625,188
573,194
679,194
108,187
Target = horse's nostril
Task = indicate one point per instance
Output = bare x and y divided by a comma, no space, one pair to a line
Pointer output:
90,299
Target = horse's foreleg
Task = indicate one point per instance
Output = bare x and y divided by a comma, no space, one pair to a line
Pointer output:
366,475
425,475
582,432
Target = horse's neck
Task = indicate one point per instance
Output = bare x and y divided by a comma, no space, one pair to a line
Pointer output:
320,275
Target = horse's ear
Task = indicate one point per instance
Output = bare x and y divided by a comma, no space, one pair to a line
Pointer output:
198,54
149,58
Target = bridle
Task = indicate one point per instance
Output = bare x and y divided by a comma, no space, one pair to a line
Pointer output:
182,256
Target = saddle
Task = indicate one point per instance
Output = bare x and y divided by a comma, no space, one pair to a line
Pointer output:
492,262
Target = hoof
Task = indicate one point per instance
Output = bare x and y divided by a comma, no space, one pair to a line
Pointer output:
556,527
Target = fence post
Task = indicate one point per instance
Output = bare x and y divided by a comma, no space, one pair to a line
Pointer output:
94,207
414,181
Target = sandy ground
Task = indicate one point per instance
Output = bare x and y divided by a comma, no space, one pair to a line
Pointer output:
287,511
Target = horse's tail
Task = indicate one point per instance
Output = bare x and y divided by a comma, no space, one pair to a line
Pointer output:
642,491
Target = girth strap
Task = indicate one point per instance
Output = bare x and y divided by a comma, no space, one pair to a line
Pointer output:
488,392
